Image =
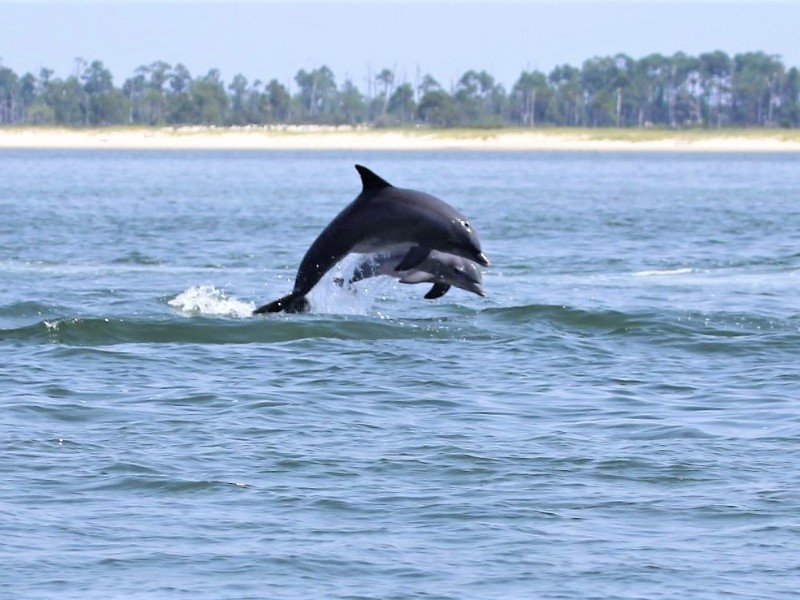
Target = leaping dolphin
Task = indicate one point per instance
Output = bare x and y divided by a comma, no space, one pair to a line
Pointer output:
382,218
440,268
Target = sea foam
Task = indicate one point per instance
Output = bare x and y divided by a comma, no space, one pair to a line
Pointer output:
208,300
664,273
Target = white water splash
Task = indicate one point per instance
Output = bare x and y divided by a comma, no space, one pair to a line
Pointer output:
328,297
208,300
681,271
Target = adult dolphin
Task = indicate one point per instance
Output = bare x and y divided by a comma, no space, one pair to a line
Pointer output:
382,218
440,268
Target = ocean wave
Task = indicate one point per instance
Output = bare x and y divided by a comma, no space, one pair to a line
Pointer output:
25,309
563,316
220,330
133,263
137,258
660,325
208,316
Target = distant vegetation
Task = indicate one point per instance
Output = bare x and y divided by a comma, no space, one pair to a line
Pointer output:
711,90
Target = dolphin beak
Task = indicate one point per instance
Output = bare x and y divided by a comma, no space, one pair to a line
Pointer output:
480,291
482,260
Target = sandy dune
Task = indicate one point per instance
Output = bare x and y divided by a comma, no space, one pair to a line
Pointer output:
347,138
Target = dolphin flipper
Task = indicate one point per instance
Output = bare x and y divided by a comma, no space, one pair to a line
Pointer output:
437,291
415,256
293,303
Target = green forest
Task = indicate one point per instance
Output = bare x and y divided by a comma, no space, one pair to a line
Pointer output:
712,90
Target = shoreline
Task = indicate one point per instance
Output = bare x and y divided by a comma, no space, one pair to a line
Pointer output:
312,137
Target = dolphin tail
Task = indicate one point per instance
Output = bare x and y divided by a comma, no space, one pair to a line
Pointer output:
293,303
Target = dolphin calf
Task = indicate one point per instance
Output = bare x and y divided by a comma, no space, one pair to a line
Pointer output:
382,218
442,269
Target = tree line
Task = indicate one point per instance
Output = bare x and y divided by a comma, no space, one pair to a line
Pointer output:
712,90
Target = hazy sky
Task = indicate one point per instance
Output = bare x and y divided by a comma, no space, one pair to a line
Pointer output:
265,39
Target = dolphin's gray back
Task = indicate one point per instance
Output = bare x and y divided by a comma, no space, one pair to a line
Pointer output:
389,218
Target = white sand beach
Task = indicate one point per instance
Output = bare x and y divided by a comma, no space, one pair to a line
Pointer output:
350,138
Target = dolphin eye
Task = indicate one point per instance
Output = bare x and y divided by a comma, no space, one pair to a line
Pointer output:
464,224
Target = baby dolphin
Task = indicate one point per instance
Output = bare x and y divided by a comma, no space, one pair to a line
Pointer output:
442,269
382,218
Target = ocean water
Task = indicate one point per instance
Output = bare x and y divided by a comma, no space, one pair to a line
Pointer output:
619,418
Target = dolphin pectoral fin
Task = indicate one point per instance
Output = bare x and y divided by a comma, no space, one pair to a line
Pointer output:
413,258
437,291
293,303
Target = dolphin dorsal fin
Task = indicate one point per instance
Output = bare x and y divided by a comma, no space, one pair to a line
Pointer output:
370,180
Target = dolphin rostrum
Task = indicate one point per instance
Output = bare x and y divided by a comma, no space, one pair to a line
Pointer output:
382,218
440,268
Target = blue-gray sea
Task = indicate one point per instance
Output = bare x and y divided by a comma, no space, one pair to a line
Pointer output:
618,418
